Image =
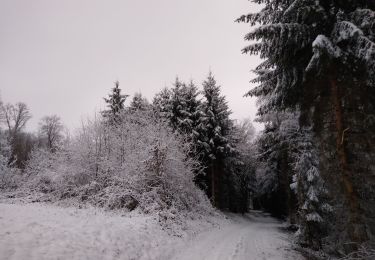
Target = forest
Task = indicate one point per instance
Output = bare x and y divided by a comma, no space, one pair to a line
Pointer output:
182,155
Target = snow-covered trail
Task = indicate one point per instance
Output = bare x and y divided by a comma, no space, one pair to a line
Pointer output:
255,236
38,231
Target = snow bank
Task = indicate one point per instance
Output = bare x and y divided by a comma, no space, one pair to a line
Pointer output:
38,231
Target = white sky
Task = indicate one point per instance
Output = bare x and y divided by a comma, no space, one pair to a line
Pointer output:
62,56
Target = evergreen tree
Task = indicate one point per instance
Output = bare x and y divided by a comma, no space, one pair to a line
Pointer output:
274,173
239,179
162,103
215,127
139,102
268,155
181,107
115,103
177,105
310,189
189,121
318,55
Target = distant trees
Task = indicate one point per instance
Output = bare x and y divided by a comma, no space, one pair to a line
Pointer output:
238,184
15,117
19,143
5,149
203,118
161,103
50,132
150,155
139,102
143,155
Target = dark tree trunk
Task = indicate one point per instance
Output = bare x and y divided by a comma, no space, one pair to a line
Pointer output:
356,229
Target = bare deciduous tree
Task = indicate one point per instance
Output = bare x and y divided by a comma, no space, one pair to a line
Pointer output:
51,128
15,117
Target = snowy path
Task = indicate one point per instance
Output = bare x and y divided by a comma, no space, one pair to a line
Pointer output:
253,237
37,231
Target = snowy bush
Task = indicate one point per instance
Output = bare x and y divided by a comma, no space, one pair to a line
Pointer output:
43,171
10,178
135,162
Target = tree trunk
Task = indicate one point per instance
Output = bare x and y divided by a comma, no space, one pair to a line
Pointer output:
356,228
213,185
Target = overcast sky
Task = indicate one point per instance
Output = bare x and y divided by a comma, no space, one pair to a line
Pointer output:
62,56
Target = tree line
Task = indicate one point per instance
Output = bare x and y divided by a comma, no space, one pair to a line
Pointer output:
312,164
222,146
217,149
14,118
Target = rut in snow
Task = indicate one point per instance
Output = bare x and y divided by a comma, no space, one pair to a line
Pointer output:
254,236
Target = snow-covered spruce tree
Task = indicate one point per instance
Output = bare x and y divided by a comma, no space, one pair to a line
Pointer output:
161,103
215,127
139,102
184,109
269,154
274,173
177,104
238,184
190,112
288,161
310,188
180,106
115,103
320,55
307,183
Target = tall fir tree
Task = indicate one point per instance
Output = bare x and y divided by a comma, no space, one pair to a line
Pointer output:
319,58
189,121
215,127
161,103
115,103
177,105
181,106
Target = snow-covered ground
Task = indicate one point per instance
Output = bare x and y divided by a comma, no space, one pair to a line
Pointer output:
39,231
254,236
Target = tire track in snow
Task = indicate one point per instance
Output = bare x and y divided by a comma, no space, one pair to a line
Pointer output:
255,236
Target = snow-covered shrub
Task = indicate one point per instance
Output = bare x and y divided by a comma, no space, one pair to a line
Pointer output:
42,171
136,161
10,178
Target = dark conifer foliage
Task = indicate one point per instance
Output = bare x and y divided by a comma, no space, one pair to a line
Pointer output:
139,102
115,102
318,61
202,117
215,127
